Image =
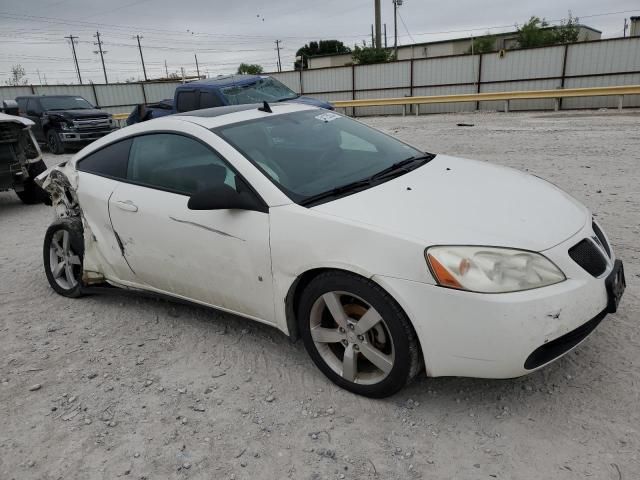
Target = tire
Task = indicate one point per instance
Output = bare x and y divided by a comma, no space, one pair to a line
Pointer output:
54,143
63,259
32,193
376,328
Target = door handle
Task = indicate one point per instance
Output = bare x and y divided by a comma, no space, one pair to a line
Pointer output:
127,205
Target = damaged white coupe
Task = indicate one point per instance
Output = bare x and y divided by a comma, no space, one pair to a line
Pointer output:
384,259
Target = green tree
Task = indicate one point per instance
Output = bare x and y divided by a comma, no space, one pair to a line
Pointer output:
323,47
538,33
367,55
484,44
250,69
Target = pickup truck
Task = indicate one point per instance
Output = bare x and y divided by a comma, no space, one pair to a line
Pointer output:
63,121
221,91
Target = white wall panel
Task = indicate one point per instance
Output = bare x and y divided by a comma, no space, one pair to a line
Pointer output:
159,91
10,93
445,71
290,79
327,80
383,75
391,110
446,107
521,64
607,56
602,81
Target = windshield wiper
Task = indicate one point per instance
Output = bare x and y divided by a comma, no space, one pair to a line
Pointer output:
336,192
402,166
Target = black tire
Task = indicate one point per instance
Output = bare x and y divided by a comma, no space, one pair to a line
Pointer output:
76,242
408,357
54,143
32,193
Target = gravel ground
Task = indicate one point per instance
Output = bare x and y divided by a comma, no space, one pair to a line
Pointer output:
111,386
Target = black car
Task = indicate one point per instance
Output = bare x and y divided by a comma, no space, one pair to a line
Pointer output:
65,120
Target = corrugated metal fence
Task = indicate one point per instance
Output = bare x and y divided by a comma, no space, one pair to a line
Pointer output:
114,97
588,64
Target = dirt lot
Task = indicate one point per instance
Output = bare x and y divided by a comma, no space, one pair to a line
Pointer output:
147,389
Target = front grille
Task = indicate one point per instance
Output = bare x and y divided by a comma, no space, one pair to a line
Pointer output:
601,238
91,123
589,256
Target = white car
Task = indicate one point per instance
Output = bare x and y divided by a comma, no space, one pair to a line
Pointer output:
384,259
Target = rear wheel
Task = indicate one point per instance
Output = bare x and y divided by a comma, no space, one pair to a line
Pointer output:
358,335
63,254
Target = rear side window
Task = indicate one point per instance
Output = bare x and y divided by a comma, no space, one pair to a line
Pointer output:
177,164
187,101
22,104
209,99
32,106
110,161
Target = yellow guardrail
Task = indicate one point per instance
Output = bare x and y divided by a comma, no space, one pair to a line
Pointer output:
120,116
497,96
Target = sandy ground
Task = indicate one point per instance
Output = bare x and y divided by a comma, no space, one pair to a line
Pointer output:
148,389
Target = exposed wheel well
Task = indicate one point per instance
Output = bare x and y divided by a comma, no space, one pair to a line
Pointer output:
295,291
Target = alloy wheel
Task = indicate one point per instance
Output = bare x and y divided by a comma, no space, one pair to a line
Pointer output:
65,263
352,338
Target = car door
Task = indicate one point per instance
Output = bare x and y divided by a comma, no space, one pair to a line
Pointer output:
216,257
98,175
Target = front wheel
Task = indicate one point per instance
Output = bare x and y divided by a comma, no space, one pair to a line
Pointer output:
357,335
54,143
63,253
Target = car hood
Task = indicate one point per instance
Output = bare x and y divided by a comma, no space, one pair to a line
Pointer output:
312,101
4,118
452,201
79,114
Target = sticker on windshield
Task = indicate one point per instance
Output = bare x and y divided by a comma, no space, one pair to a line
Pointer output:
327,117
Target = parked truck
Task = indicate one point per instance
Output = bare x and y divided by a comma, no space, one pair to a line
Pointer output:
62,121
221,91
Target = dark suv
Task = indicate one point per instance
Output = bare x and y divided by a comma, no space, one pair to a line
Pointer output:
65,120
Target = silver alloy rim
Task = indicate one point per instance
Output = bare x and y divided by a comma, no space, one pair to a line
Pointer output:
63,261
352,338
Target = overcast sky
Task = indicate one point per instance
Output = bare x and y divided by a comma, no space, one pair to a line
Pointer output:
225,33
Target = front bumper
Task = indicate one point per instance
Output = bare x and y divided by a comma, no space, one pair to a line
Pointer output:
82,136
504,335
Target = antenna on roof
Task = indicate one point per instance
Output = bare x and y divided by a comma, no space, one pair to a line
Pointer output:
265,107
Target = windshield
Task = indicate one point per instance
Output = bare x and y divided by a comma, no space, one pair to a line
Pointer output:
265,89
309,153
65,103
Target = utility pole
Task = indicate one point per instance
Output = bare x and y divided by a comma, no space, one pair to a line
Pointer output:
39,78
101,52
138,37
396,4
72,39
197,67
373,39
385,35
166,70
278,48
378,20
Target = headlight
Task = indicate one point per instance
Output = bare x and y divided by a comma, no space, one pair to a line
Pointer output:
491,269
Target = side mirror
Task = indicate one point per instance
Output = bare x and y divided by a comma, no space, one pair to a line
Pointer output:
225,198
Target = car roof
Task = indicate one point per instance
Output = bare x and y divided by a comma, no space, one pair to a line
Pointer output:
219,116
49,96
225,81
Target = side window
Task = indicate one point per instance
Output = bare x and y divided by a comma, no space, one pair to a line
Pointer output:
33,106
187,101
22,105
176,163
110,161
209,99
